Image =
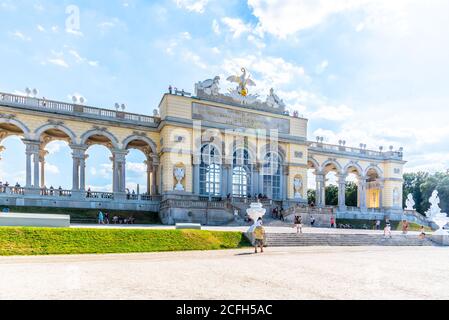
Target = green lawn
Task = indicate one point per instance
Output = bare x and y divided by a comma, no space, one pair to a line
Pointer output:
395,225
78,215
46,241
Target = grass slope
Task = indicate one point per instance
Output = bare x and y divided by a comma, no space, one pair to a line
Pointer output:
46,241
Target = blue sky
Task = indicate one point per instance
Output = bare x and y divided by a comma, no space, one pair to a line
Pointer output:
371,71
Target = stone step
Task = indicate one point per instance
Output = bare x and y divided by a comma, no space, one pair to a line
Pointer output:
284,240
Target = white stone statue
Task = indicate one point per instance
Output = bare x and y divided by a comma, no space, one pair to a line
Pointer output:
435,214
210,87
297,183
255,212
243,81
179,174
410,203
274,101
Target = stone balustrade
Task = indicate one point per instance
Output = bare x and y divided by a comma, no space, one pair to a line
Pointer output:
17,101
396,155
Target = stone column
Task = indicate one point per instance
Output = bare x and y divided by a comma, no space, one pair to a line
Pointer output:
119,170
261,175
362,193
224,182
285,183
42,155
83,173
321,190
342,192
196,179
229,178
32,154
155,190
149,172
29,153
381,194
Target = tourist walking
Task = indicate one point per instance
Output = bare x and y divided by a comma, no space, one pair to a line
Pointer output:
298,225
387,231
405,227
422,234
259,236
312,221
100,218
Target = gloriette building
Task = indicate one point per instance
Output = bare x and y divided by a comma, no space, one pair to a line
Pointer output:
208,155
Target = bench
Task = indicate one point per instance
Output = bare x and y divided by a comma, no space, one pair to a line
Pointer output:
191,226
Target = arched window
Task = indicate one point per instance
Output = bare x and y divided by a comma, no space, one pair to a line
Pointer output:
210,171
241,174
272,176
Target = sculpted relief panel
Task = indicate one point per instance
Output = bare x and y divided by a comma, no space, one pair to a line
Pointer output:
236,118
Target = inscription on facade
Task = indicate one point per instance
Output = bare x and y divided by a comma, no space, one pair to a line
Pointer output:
237,118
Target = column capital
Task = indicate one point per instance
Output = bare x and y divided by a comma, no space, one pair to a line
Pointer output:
119,155
32,146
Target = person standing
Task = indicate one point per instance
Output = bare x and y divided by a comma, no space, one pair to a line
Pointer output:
332,222
422,234
405,227
100,218
387,231
259,236
312,221
378,225
298,225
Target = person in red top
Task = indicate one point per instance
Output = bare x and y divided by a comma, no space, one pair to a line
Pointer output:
332,222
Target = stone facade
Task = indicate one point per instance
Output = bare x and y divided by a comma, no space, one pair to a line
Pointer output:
226,150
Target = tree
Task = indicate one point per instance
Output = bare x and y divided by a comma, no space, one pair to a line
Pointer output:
332,195
311,196
351,194
412,185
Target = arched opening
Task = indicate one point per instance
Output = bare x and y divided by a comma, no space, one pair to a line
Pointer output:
352,186
373,193
12,162
272,173
141,169
330,171
210,171
53,175
99,169
54,150
12,156
241,174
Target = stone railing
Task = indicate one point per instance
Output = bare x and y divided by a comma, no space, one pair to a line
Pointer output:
315,146
75,109
56,193
195,204
12,190
309,210
99,195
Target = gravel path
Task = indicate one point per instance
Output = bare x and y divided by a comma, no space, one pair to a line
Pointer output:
281,273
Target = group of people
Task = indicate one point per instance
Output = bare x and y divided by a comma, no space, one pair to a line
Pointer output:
278,213
6,186
51,191
104,218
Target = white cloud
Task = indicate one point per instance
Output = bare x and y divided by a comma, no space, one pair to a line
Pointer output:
192,5
236,26
59,62
55,146
40,28
332,113
139,168
51,169
20,35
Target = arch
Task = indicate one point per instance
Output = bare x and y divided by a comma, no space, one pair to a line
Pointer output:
313,163
210,171
266,150
98,132
41,130
145,139
375,168
332,162
19,124
250,148
354,165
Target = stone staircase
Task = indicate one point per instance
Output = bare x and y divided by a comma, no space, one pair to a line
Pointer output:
350,240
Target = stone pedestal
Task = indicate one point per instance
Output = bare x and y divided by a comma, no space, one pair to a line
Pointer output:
442,240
